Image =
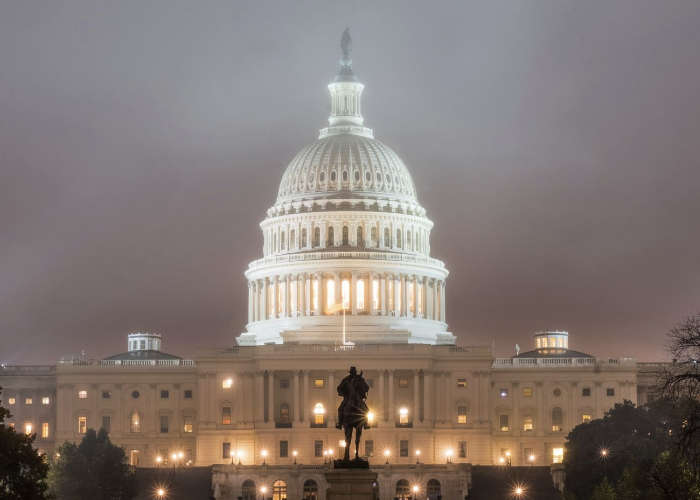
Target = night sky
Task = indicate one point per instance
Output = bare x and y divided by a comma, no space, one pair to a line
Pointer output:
555,145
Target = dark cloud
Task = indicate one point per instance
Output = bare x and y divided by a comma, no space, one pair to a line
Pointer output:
554,144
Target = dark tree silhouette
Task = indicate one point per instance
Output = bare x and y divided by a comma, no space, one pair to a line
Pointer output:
22,470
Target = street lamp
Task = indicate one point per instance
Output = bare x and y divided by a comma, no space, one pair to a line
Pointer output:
531,459
417,456
239,454
415,491
160,493
370,417
386,454
518,491
501,460
263,453
508,461
604,453
263,491
232,454
294,454
449,453
159,460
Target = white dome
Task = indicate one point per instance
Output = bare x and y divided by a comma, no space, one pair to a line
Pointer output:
346,166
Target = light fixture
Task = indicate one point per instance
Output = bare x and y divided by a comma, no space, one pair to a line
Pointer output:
417,456
180,454
604,452
386,454
518,491
415,489
294,454
160,492
263,453
448,454
173,456
531,458
159,459
263,489
501,460
370,417
227,383
508,453
342,443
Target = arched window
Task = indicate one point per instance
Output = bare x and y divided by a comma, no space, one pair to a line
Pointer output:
360,238
387,237
398,238
557,419
433,489
360,293
135,422
317,237
279,490
310,490
345,175
248,490
303,238
403,492
331,237
409,241
373,236
284,413
346,236
333,176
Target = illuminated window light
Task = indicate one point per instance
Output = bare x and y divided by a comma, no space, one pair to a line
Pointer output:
227,383
28,428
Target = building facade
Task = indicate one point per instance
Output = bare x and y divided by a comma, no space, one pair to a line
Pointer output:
346,278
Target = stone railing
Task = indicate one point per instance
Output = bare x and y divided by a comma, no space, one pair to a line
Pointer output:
27,369
334,255
388,349
506,363
128,363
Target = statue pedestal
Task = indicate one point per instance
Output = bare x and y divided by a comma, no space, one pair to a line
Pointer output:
350,484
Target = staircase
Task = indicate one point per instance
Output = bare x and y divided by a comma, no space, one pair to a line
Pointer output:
499,482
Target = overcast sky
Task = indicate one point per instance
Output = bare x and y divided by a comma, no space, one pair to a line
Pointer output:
555,145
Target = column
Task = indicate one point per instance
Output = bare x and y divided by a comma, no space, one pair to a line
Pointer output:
436,303
448,397
307,294
353,293
305,396
540,424
285,296
294,297
319,298
390,405
295,394
273,301
256,301
382,294
428,397
331,410
397,296
381,412
259,397
415,296
404,296
416,397
250,302
485,396
270,396
338,298
439,396
442,302
517,424
428,299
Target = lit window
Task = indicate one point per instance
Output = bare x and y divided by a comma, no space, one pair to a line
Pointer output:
226,415
462,382
557,419
319,383
227,383
188,424
527,424
135,424
45,400
461,414
28,428
361,295
403,415
330,293
11,401
503,393
403,383
375,293
586,418
557,455
345,293
319,414
45,430
503,423
527,392
82,394
27,401
82,425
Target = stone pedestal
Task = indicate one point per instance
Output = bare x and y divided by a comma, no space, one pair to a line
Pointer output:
350,484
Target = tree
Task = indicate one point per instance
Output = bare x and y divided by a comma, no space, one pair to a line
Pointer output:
604,491
99,460
22,470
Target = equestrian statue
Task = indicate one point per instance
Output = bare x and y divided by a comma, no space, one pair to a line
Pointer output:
352,413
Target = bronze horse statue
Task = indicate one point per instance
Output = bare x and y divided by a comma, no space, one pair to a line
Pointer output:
352,412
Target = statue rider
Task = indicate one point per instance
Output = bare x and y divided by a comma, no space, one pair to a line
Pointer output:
345,389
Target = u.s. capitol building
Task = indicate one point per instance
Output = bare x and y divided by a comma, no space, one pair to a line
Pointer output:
345,278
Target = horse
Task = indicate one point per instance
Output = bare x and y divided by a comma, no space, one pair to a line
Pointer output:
353,412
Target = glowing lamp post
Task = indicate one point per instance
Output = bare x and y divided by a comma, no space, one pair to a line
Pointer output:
263,454
417,456
387,453
294,454
531,459
160,493
370,417
518,491
448,454
263,491
415,490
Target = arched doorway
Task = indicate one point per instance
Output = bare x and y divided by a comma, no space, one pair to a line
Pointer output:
248,490
279,490
433,489
310,490
403,491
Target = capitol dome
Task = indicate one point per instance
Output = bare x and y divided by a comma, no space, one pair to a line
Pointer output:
346,237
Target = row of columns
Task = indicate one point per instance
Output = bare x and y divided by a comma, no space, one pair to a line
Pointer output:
305,294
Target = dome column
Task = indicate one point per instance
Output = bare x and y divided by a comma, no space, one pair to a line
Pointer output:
353,294
263,300
404,296
250,302
285,295
294,298
383,294
319,294
273,299
307,294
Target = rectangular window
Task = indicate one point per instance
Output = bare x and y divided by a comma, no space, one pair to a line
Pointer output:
45,400
28,428
369,447
403,383
503,392
461,414
107,423
528,424
319,419
403,416
226,415
11,401
284,449
164,424
284,383
225,449
82,394
610,391
403,448
187,427
586,392
319,383
586,418
527,392
27,401
227,383
557,455
503,423
164,394
318,448
106,394
188,393
82,425
45,430
462,382
462,449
